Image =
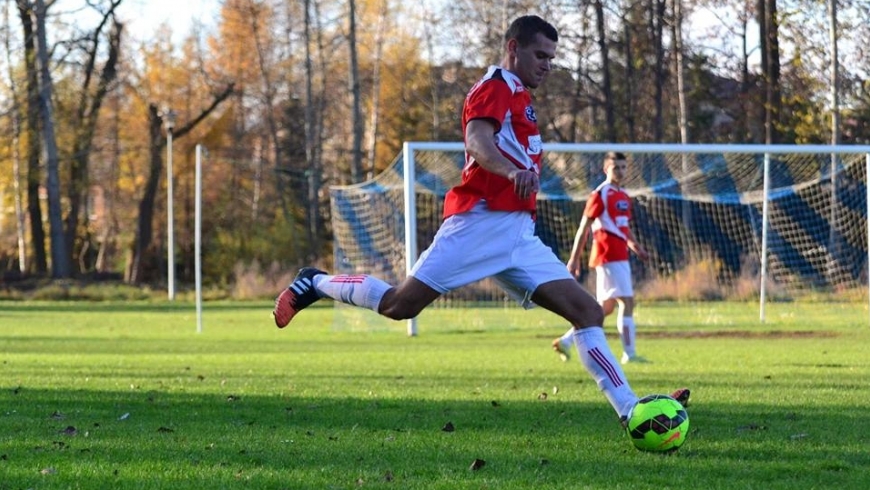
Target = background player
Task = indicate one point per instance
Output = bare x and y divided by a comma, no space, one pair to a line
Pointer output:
608,214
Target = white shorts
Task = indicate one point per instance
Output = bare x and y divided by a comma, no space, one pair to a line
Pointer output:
613,280
481,243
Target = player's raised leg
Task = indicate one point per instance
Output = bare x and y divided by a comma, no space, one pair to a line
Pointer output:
398,303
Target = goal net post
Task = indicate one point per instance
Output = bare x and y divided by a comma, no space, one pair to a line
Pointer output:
755,222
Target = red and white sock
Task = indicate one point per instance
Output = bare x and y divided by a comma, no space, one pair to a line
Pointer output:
357,290
598,359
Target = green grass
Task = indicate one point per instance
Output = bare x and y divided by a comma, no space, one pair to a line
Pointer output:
128,395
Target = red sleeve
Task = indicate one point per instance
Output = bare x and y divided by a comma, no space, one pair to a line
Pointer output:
594,206
489,100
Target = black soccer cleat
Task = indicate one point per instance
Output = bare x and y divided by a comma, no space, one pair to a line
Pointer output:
298,296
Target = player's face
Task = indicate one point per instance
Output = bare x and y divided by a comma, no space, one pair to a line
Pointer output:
532,62
616,170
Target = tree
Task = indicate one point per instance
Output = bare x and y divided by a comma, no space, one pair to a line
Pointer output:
32,129
15,123
355,95
60,259
769,35
606,84
142,242
86,117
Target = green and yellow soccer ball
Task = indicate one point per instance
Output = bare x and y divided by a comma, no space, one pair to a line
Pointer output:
658,423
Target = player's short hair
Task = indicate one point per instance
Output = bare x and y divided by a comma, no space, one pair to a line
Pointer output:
611,157
525,28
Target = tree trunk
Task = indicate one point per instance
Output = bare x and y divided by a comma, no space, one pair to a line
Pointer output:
15,150
749,108
769,37
269,109
356,96
310,129
681,72
87,117
144,224
374,119
658,26
142,252
606,85
60,257
629,77
34,174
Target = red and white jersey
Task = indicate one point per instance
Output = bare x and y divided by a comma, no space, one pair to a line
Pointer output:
610,208
501,97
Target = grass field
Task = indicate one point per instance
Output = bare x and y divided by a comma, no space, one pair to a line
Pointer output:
123,396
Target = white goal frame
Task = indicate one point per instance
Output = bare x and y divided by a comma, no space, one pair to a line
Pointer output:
409,149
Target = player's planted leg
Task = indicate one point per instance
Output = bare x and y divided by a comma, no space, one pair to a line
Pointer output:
596,356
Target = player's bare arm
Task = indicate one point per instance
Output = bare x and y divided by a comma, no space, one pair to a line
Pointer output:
636,247
479,143
575,262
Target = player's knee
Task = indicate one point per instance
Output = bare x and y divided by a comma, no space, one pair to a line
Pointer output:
399,312
594,315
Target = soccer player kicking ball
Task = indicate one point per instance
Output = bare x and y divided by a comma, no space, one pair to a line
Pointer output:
488,227
607,214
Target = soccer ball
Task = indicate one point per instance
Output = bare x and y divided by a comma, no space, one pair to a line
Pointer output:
658,423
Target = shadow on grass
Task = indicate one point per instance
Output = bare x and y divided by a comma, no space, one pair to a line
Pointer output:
154,439
133,306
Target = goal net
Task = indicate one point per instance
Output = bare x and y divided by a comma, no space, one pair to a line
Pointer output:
719,221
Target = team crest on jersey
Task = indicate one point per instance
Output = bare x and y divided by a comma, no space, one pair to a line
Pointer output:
530,114
622,205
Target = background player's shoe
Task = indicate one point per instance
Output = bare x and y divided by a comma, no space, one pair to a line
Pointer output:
633,359
682,396
564,351
298,296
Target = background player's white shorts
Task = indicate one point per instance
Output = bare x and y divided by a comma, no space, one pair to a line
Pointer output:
480,243
613,280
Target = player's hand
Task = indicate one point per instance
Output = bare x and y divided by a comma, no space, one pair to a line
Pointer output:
575,267
525,182
639,251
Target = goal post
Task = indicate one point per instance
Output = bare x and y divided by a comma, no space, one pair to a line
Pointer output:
753,221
